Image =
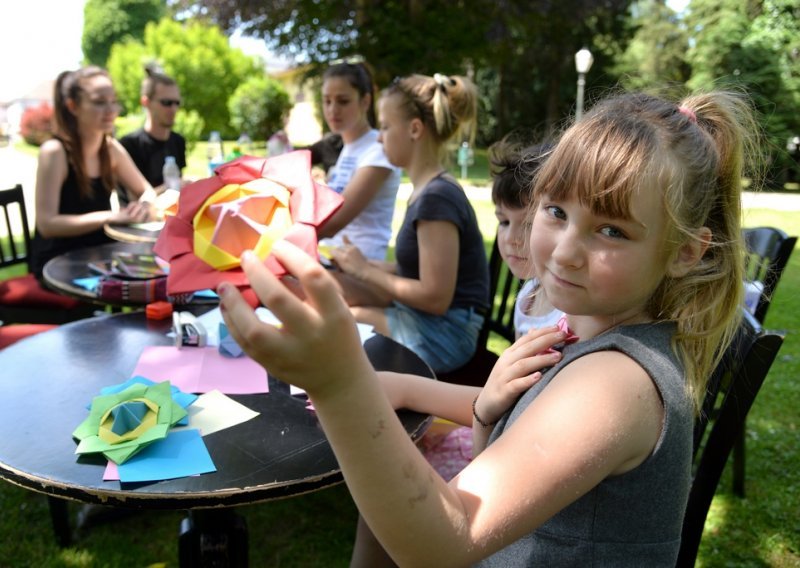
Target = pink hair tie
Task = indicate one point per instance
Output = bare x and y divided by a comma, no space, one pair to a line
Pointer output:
688,113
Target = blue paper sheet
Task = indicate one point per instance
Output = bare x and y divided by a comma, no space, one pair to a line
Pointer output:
180,454
89,283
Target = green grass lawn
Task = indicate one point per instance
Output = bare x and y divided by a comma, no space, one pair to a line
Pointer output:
760,530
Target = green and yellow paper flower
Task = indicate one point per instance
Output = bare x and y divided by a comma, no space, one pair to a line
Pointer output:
121,424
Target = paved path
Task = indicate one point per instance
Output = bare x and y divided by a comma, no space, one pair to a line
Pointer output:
764,200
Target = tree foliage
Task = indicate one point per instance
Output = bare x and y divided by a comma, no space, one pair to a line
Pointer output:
36,124
259,107
106,22
520,51
197,56
754,46
656,55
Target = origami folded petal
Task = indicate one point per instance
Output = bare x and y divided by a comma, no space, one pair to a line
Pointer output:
569,338
123,422
227,344
250,203
128,416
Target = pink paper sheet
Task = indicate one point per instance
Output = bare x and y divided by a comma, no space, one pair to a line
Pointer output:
202,369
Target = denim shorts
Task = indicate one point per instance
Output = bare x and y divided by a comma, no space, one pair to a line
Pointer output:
444,342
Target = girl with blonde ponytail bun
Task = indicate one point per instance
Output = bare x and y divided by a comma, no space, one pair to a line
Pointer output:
436,294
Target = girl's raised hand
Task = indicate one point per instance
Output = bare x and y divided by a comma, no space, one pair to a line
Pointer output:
517,369
318,343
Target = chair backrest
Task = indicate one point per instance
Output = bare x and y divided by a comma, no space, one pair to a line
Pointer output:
14,246
503,288
768,252
731,391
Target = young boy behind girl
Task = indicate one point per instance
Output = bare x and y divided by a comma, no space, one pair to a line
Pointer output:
513,168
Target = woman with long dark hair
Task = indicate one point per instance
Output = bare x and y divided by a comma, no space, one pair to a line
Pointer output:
79,169
362,174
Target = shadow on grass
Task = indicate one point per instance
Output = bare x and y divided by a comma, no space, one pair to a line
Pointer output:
316,529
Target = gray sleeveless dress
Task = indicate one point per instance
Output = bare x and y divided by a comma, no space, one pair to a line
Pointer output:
632,519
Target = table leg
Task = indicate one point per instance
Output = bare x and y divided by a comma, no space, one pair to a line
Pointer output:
59,516
213,538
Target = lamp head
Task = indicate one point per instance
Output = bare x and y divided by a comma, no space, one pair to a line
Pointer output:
583,61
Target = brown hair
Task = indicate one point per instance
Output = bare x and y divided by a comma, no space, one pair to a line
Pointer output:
69,86
153,76
692,153
359,76
513,167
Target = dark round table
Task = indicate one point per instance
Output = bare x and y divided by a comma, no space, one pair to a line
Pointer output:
60,273
50,378
131,233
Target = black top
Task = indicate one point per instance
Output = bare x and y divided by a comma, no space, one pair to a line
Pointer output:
72,203
442,199
149,154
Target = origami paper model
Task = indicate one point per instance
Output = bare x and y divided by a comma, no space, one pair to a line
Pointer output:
227,344
250,203
569,338
184,399
122,423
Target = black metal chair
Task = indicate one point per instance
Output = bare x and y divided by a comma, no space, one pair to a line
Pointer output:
731,392
768,251
503,288
22,298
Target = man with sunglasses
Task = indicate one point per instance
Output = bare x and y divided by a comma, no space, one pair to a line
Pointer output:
149,146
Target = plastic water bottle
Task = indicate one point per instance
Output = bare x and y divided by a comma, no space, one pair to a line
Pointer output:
172,174
245,144
278,144
216,156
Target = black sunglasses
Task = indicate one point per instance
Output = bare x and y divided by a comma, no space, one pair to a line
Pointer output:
169,102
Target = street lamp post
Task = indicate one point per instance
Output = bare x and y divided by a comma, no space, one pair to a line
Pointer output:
583,62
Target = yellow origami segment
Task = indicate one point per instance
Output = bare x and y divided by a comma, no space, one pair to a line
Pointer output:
235,218
104,432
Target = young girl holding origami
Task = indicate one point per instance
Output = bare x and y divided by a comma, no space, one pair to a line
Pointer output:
635,235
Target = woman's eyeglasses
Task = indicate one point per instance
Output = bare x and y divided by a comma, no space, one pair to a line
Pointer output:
169,102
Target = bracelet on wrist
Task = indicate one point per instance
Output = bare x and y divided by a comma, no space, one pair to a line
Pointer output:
478,418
